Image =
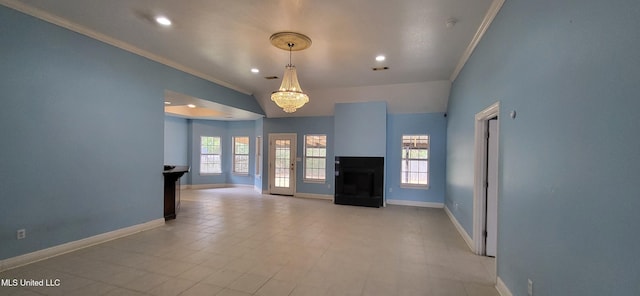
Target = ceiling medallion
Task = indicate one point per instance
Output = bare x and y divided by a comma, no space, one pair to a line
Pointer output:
290,96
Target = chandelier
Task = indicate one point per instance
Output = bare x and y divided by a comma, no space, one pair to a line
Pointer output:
290,96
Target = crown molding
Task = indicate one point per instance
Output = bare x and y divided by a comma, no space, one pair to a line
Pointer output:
486,22
67,24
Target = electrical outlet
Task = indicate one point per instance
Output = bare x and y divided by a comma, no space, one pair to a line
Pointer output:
21,233
530,287
456,206
390,189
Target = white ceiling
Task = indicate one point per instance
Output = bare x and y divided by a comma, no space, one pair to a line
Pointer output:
222,40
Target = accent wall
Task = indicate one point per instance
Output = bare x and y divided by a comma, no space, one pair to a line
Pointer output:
432,124
258,167
176,137
82,123
226,130
361,129
302,126
570,159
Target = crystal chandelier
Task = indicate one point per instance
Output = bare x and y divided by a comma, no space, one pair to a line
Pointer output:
290,96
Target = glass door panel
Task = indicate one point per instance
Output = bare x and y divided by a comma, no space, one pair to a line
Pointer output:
282,163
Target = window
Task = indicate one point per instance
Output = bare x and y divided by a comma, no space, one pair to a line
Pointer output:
210,155
315,155
258,155
415,160
241,155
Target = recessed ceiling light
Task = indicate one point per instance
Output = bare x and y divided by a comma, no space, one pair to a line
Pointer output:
380,58
163,20
191,106
255,70
167,103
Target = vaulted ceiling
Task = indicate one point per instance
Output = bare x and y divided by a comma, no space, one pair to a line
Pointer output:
425,43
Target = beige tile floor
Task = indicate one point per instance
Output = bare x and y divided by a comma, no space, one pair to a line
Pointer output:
236,242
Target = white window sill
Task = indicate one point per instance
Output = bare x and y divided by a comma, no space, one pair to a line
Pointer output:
313,181
411,186
240,174
210,174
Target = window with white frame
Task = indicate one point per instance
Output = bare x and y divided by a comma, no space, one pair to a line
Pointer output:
315,158
241,155
415,161
258,155
210,155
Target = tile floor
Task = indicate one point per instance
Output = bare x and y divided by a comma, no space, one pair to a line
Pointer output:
236,242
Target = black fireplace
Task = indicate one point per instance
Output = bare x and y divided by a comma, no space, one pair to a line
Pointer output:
359,181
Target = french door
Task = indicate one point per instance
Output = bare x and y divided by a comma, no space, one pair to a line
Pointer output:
282,163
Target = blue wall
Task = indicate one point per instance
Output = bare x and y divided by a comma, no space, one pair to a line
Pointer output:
240,129
176,137
302,126
259,132
225,130
432,124
360,129
82,123
570,160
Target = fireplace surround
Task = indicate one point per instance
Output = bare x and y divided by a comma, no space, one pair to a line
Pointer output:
359,181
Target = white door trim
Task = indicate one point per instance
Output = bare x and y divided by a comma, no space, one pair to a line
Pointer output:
480,175
294,145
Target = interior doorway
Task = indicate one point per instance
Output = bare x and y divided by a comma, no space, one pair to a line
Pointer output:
486,181
282,163
491,219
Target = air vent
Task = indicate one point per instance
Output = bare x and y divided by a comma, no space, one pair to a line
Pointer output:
271,77
380,68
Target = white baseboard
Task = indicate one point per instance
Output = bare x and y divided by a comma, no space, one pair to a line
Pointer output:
249,186
32,257
212,186
422,204
206,186
503,290
314,195
460,229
